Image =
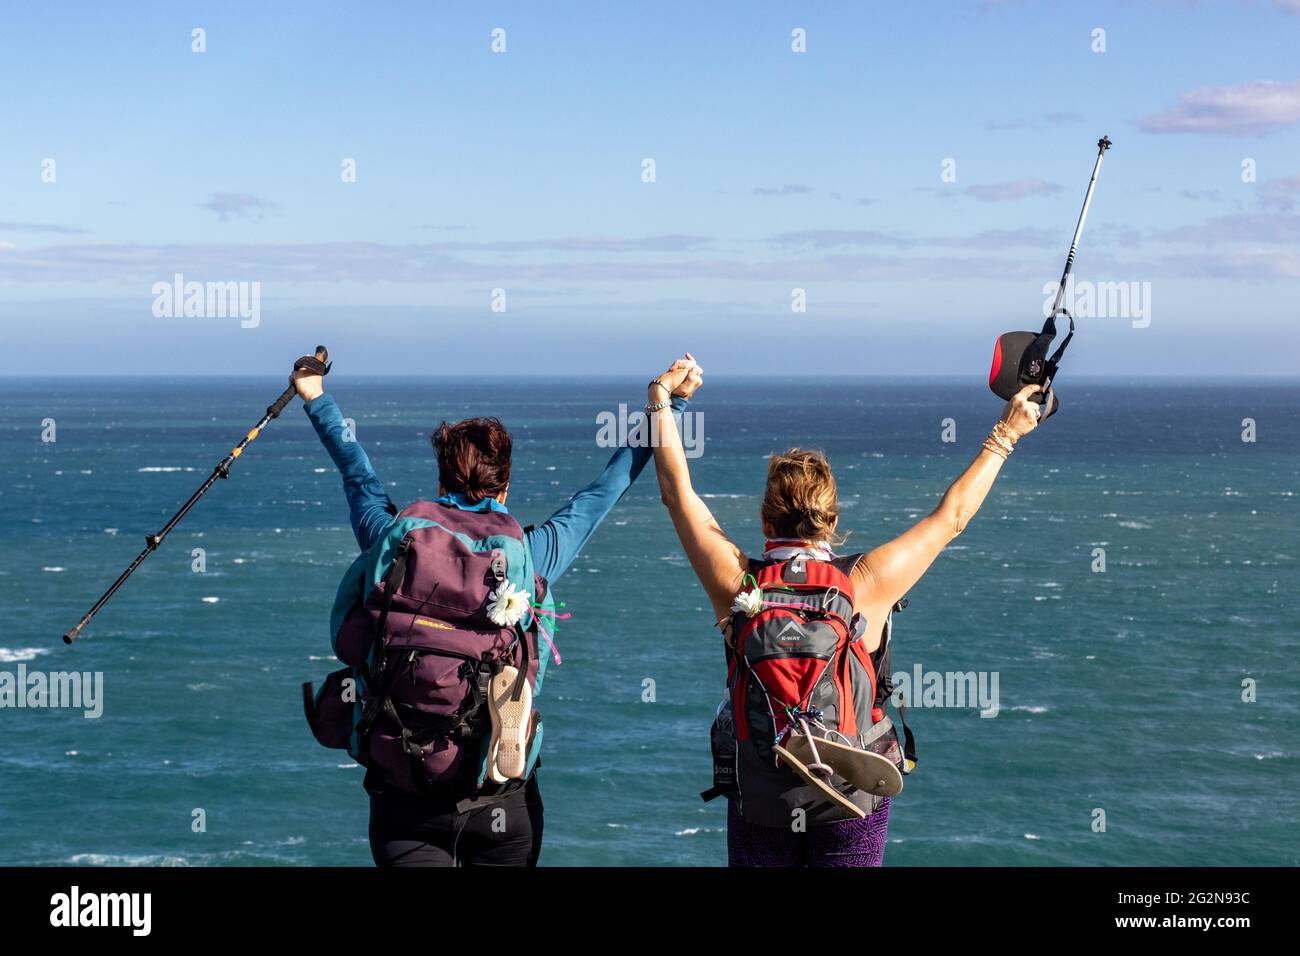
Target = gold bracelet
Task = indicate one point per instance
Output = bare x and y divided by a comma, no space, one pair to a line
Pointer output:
990,445
1005,433
1000,441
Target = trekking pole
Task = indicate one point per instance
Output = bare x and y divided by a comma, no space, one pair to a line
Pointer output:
1049,367
1103,144
319,363
1020,358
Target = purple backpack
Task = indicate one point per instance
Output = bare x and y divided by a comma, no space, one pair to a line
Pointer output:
412,622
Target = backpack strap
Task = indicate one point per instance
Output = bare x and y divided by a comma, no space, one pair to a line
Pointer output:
417,729
309,702
882,661
521,638
380,700
393,582
909,742
847,563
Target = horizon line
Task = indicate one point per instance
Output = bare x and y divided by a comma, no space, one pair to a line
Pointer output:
614,376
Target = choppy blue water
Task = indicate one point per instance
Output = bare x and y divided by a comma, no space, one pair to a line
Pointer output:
1119,691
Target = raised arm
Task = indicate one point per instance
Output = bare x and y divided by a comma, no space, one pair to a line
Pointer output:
557,542
887,573
718,563
370,507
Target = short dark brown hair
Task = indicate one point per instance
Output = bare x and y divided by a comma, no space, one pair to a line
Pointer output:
473,457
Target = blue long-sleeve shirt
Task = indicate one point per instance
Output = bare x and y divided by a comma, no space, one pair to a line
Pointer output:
553,544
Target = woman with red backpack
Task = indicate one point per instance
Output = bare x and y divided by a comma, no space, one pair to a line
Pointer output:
802,747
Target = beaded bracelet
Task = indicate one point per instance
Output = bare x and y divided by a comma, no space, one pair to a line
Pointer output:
1000,441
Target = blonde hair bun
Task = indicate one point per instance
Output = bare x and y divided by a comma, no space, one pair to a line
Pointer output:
800,500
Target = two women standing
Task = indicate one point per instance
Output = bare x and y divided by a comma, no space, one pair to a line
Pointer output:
443,622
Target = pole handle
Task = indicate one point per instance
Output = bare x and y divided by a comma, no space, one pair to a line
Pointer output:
318,363
278,405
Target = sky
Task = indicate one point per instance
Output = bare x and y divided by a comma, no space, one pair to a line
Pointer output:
838,188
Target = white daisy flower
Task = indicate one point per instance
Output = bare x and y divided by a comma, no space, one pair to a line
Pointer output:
749,602
508,605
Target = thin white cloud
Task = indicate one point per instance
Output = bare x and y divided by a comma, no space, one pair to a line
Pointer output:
1263,262
1248,228
1280,194
1051,119
1255,107
867,238
1233,246
841,238
1253,263
40,227
672,242
1015,189
789,189
235,205
335,262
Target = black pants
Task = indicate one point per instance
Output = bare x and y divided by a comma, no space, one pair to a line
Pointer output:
407,829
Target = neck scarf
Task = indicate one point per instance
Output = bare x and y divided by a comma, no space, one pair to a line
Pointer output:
783,549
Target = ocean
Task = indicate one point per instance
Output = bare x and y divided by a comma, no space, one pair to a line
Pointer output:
1147,713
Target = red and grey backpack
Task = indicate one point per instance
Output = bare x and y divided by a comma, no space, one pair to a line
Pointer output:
797,653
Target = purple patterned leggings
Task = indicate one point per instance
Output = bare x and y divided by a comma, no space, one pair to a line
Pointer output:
846,843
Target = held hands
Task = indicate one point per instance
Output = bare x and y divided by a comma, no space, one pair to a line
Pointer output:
1021,415
682,378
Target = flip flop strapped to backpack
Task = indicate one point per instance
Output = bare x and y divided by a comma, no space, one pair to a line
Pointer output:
865,769
510,705
797,668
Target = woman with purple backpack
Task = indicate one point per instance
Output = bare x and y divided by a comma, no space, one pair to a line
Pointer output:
443,622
